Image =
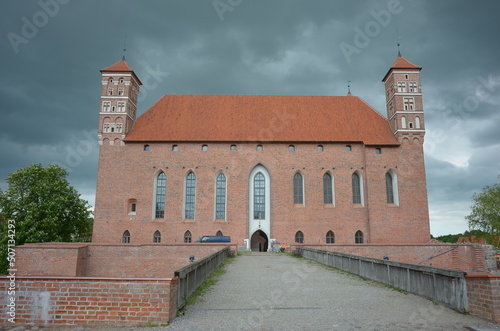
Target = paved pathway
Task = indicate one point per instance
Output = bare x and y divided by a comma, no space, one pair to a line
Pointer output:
279,292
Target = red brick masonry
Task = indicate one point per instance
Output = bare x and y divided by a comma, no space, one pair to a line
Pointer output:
484,295
86,300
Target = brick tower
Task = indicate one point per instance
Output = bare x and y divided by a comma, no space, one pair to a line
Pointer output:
404,100
120,88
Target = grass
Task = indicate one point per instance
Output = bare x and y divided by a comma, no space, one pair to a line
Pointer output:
210,281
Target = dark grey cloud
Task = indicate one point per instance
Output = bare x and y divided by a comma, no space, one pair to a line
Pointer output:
50,84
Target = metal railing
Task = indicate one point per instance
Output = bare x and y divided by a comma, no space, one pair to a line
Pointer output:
193,275
443,285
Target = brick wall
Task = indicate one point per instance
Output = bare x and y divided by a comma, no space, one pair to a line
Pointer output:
97,260
65,300
484,295
127,173
449,256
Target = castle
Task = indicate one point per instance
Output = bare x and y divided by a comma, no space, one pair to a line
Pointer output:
261,168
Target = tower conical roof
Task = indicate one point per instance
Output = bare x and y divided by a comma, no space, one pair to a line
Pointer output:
118,66
401,63
121,66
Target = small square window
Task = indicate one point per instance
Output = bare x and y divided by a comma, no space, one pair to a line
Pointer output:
146,148
378,151
259,148
175,148
348,148
320,148
291,148
233,148
204,148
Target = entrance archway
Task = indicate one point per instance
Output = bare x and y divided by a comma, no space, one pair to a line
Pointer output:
259,241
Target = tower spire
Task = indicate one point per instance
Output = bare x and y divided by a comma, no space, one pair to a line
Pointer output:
124,49
397,41
349,87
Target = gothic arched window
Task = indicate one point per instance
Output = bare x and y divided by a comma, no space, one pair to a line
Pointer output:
161,187
190,195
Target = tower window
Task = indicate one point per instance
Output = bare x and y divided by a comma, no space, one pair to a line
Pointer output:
121,91
413,87
110,91
417,122
320,148
157,237
406,76
121,80
111,80
409,103
291,148
299,237
187,237
259,148
106,105
402,87
358,237
121,106
410,125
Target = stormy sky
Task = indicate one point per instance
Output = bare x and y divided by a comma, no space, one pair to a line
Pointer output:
52,50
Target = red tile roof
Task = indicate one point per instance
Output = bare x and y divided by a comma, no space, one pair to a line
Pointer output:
118,66
401,63
261,118
121,66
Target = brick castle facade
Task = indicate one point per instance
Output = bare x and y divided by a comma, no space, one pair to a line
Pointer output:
294,169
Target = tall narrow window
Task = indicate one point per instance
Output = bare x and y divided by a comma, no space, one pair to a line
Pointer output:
417,122
220,199
330,237
259,200
126,237
403,122
299,237
389,188
298,189
187,237
161,185
358,237
190,195
157,237
356,189
327,189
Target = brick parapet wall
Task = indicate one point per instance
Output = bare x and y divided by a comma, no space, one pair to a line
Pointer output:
484,295
449,256
108,260
67,300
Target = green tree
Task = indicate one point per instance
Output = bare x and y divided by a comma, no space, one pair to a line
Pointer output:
43,207
485,215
